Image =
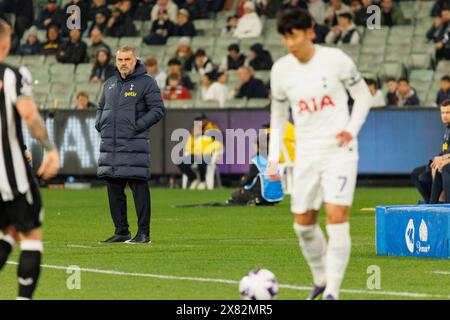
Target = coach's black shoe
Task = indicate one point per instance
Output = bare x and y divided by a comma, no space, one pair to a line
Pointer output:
140,238
117,238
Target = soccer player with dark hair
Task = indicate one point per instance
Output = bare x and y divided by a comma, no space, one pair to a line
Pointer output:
313,81
21,211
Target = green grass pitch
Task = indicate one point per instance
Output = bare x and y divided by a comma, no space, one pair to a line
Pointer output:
210,243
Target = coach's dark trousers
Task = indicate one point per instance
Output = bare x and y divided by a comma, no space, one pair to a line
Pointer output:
422,180
118,204
441,183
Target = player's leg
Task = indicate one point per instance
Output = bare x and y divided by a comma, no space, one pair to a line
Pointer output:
305,202
8,240
338,183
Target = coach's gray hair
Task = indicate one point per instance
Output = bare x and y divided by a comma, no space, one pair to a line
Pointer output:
5,29
127,49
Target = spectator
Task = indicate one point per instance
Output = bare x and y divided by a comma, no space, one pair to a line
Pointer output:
32,45
51,46
96,44
391,95
391,14
317,9
444,90
249,25
335,8
233,60
320,32
197,9
260,59
161,30
24,16
152,69
439,33
439,6
240,8
250,86
406,95
120,24
100,22
359,15
103,68
143,10
268,9
229,29
73,50
99,6
83,102
344,32
184,53
52,15
184,27
174,66
175,90
202,64
378,100
213,90
291,4
169,6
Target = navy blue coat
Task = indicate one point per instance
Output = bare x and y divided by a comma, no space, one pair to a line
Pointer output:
127,109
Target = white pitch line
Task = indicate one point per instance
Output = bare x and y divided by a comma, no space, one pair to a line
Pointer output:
78,246
234,282
446,273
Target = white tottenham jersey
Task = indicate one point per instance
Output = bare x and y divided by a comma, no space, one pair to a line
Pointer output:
316,93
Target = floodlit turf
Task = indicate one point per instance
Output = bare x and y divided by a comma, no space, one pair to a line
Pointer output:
213,243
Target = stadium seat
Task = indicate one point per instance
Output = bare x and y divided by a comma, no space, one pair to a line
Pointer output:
444,66
14,60
408,8
181,104
369,62
419,61
83,68
49,60
395,56
42,88
130,41
420,44
430,100
378,48
112,42
33,60
92,89
236,103
273,39
40,76
245,44
421,74
80,77
369,75
203,24
40,98
263,75
58,101
420,84
258,103
205,43
62,77
391,70
146,27
207,104
423,9
152,51
62,68
63,88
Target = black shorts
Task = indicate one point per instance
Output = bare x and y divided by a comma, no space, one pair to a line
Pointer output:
25,212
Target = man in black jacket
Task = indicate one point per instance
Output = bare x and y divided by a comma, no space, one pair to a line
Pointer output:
73,50
130,105
250,86
439,33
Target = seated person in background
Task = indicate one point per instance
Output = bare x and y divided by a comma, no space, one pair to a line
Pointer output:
174,66
391,94
320,31
32,45
161,30
169,6
230,27
51,46
103,68
250,86
120,24
83,102
200,148
184,53
444,90
96,44
439,33
159,75
335,8
100,22
249,25
405,95
391,14
255,187
344,32
359,14
174,90
213,90
197,8
184,26
377,96
233,60
440,168
52,14
260,59
73,50
202,64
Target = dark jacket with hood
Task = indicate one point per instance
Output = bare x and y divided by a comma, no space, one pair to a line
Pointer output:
263,59
127,109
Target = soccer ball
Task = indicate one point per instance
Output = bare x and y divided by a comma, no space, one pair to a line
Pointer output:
259,284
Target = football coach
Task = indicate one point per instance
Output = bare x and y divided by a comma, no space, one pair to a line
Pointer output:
130,105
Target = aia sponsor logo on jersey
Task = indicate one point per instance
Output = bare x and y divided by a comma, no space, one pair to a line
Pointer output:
315,104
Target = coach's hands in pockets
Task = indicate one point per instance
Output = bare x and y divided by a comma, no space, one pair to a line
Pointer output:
344,137
50,165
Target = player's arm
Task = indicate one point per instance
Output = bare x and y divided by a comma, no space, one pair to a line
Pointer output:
279,115
29,113
360,93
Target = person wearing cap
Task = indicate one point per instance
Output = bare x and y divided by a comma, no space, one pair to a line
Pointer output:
202,64
199,149
174,66
161,30
184,53
233,60
344,32
249,25
52,15
169,6
32,45
184,27
213,90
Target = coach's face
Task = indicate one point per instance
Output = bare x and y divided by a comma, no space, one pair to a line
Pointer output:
445,114
125,62
296,41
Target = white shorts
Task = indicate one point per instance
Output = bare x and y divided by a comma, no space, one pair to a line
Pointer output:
329,178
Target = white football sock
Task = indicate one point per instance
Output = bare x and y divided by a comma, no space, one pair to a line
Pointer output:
338,255
314,247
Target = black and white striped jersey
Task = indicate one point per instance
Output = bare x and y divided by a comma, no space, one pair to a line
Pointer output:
15,177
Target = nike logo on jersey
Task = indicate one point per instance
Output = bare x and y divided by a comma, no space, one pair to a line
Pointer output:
315,104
